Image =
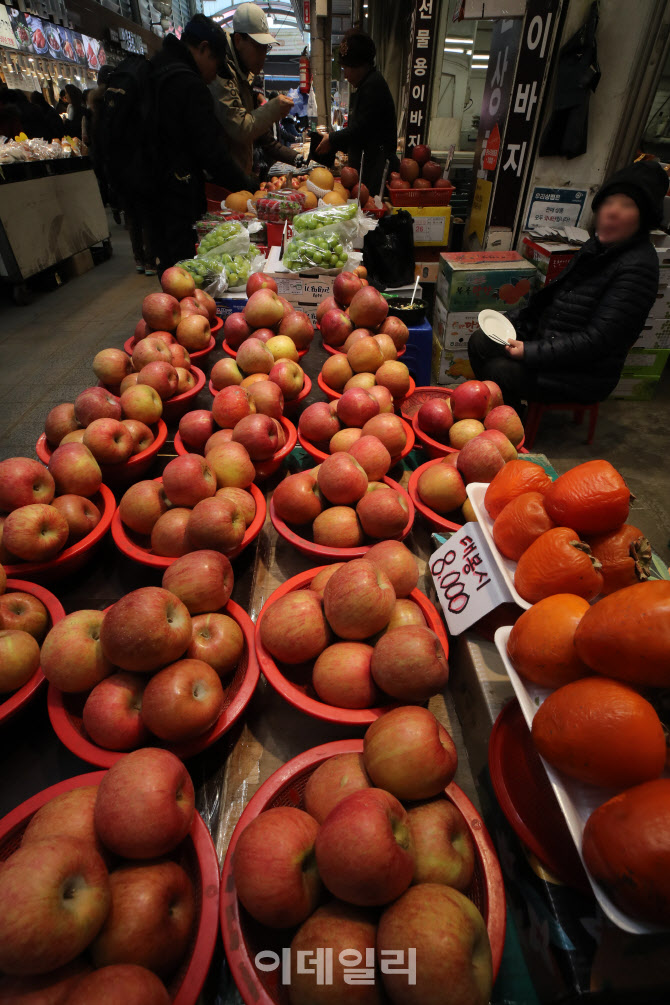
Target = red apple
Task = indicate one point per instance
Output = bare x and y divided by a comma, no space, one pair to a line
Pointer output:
443,848
161,311
399,564
230,463
507,421
72,656
338,527
421,183
394,375
112,713
364,850
243,500
195,428
365,356
188,479
189,305
178,283
35,533
19,659
470,400
383,515
342,676
346,284
55,895
409,169
397,331
119,984
496,395
390,430
289,378
25,613
216,524
168,534
358,600
362,193
24,481
317,423
59,422
141,505
54,988
372,455
344,440
142,329
151,918
260,281
297,498
397,182
441,488
263,309
293,628
146,629
217,640
463,431
356,406
96,403
141,434
254,356
145,804
480,460
405,612
75,470
431,170
421,153
336,327
258,434
318,584
230,405
81,514
111,366
182,701
194,333
161,376
143,403
382,396
334,779
341,479
109,441
336,371
273,867
409,753
409,664
436,419
203,580
349,176
268,398
225,372
297,326
236,330
154,348
328,304
509,452
387,346
69,814
206,301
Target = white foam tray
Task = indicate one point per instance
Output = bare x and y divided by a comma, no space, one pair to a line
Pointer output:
577,801
476,492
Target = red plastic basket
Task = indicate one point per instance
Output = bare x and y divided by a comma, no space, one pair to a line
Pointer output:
196,855
126,472
130,343
20,698
420,196
308,547
233,352
66,710
72,558
319,455
138,547
298,691
414,401
435,520
243,938
433,448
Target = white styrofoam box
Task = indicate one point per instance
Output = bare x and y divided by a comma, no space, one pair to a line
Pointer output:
655,334
661,306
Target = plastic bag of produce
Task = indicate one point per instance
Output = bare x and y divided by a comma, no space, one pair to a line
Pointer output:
231,238
323,238
280,206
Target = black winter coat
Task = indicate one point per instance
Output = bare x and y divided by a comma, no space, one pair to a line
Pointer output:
187,139
579,328
371,129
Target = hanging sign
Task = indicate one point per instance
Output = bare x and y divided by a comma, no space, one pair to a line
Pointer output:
306,13
467,579
420,72
555,207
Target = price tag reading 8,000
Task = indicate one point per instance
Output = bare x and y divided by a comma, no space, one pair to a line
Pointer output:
467,579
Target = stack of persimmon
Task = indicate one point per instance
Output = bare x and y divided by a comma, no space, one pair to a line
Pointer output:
599,727
567,536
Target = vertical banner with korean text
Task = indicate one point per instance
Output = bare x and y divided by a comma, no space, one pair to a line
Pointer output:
535,50
418,87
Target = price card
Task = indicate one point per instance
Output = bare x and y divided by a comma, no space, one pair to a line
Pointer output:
429,229
467,579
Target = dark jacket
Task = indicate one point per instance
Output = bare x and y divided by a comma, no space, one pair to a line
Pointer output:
187,140
579,328
372,130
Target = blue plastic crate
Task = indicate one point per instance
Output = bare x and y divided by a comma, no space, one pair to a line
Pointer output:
418,353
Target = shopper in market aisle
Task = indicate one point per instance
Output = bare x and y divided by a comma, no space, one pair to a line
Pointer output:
185,139
372,131
575,333
75,110
234,98
53,124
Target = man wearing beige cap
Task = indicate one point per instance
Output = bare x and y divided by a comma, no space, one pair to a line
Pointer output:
233,94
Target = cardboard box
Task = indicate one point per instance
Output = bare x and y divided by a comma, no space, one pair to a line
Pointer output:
79,264
548,257
299,287
650,362
473,281
450,367
655,334
431,224
635,387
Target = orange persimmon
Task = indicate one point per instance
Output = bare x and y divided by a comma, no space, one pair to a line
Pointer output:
541,645
625,557
592,498
520,523
558,562
515,478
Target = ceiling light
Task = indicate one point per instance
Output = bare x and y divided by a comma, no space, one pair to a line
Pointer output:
480,55
461,40
454,50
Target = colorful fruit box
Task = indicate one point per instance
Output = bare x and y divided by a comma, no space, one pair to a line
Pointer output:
473,281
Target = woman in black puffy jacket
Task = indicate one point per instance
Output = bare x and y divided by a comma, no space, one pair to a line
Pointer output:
575,333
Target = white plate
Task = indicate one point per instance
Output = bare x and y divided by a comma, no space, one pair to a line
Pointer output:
577,801
496,326
476,492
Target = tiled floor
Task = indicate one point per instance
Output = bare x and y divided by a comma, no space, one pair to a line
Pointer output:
46,351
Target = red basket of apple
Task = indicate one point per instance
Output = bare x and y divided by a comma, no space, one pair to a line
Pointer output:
343,642
349,187
53,517
236,418
448,421
357,307
374,855
271,320
324,429
292,381
110,889
419,181
27,612
123,435
182,310
342,507
153,668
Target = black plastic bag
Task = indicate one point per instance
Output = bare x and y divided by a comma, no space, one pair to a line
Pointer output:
388,251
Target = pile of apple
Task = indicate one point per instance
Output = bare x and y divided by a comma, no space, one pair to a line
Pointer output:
418,171
393,856
23,624
201,502
96,906
353,189
353,306
45,510
485,432
286,374
151,666
337,425
270,323
180,309
336,625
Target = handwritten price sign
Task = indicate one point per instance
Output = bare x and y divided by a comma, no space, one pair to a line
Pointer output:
467,579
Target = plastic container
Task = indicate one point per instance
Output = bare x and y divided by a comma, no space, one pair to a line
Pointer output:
70,559
12,703
197,856
138,547
243,937
413,314
433,448
414,401
476,492
420,196
65,710
320,455
126,472
130,343
435,520
320,551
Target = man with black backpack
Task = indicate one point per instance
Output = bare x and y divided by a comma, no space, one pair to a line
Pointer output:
163,138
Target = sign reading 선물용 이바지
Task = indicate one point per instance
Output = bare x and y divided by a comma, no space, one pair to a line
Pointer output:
419,72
